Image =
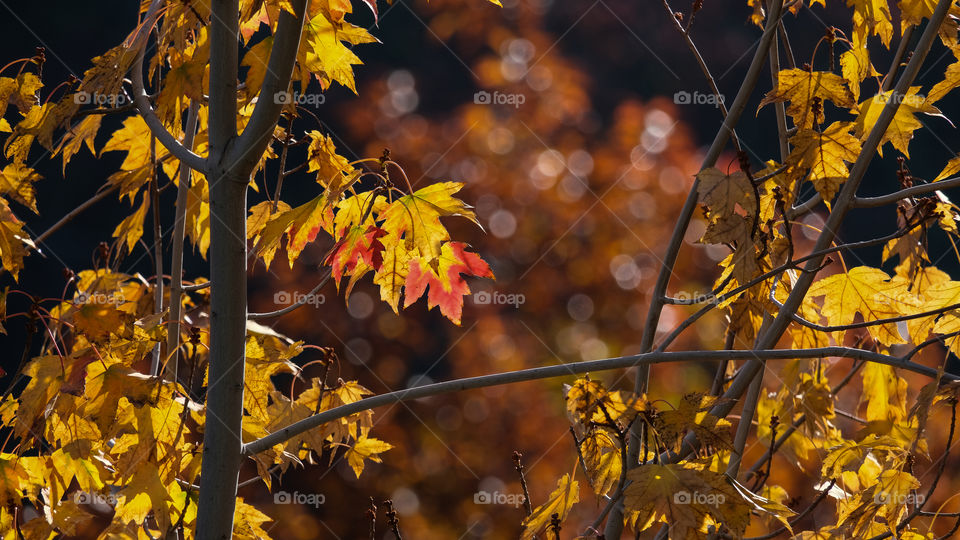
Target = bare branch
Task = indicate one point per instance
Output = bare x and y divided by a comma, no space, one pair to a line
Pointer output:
99,196
919,189
256,135
573,368
305,299
179,228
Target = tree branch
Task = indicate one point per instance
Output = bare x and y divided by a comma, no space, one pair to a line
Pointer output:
919,189
149,116
251,144
305,299
573,368
179,228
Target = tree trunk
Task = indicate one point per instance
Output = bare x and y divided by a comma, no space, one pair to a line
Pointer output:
228,297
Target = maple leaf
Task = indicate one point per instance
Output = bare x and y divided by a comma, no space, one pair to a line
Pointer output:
686,499
951,80
904,123
133,138
826,155
83,133
16,183
602,458
416,217
723,193
144,493
447,287
130,230
69,463
365,448
106,75
560,501
951,168
799,87
871,17
912,12
322,54
300,224
866,291
13,478
248,521
393,271
693,414
21,92
39,124
358,245
884,393
333,170
106,386
855,66
256,59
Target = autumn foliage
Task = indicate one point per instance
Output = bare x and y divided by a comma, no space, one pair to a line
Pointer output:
104,422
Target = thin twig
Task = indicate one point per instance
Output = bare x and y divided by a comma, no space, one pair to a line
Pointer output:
518,466
179,235
305,299
99,196
918,189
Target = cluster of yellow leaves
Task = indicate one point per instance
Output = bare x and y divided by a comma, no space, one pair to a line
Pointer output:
93,429
692,497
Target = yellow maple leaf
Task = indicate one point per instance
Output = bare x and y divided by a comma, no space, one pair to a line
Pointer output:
365,448
951,80
560,501
83,133
16,183
868,292
686,499
884,392
256,60
904,123
826,156
871,17
130,230
416,217
951,168
799,87
144,493
855,66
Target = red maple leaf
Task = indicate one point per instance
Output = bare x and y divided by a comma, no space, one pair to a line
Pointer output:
444,277
356,246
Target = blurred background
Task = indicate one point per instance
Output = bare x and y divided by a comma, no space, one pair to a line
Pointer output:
564,121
